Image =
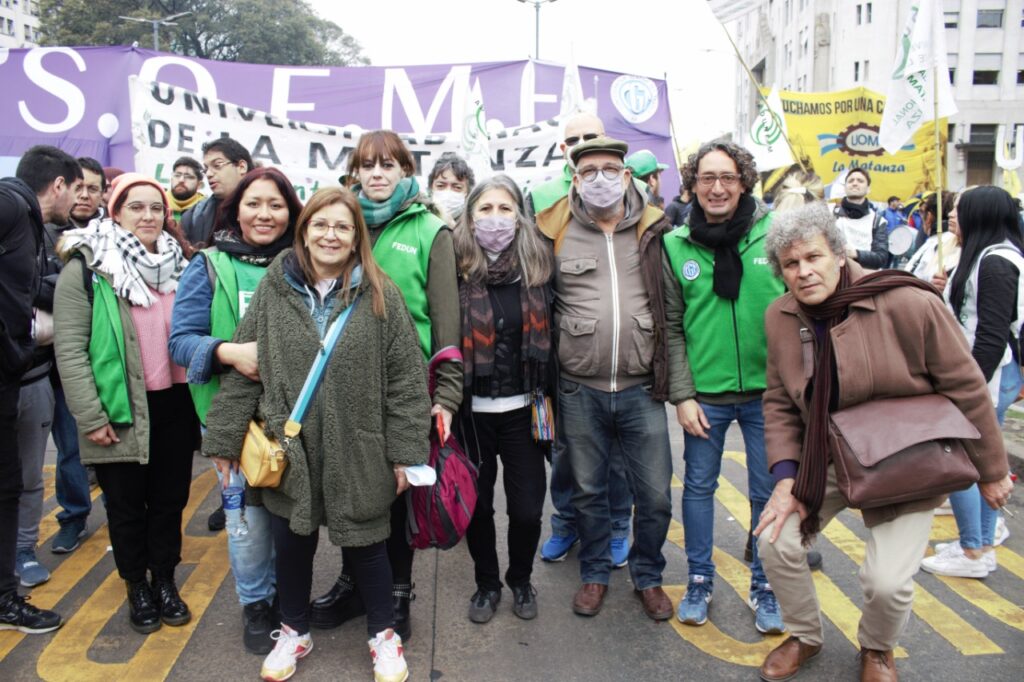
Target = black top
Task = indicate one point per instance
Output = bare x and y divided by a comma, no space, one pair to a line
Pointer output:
507,379
997,306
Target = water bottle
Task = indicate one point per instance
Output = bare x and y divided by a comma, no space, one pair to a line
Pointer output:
233,498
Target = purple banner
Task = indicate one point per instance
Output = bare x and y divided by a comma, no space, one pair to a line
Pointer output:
77,98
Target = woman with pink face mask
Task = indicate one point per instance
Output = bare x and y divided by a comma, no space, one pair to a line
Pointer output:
504,271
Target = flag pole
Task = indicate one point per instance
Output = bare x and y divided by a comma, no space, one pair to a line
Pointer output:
762,98
938,167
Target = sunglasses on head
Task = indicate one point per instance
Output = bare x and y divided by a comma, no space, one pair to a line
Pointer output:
575,139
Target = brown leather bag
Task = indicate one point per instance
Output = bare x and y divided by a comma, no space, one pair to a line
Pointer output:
900,449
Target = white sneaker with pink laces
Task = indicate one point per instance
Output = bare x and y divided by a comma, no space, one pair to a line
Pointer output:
279,664
388,657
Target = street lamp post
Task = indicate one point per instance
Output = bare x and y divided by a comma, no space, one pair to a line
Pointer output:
157,23
536,39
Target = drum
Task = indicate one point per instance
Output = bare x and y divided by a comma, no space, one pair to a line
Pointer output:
901,240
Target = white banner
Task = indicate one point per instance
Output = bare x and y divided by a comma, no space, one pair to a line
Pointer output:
169,122
768,135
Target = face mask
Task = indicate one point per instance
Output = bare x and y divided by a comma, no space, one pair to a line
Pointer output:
453,202
494,233
602,192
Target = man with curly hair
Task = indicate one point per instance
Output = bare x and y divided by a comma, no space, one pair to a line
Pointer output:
718,283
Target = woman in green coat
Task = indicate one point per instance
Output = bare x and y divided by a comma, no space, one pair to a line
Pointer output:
368,420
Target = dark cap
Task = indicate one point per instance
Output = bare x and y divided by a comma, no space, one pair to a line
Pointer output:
599,144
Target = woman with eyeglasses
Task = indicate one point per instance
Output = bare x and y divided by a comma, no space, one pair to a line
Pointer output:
367,421
136,425
413,246
257,223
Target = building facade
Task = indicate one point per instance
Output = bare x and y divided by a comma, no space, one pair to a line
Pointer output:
19,23
822,45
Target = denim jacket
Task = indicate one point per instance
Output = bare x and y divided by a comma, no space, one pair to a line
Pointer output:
190,342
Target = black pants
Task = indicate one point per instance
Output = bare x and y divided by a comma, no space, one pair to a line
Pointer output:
10,486
294,563
145,501
486,436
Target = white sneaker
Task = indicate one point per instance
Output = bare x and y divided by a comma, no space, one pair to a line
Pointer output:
944,509
279,664
1002,532
954,563
388,657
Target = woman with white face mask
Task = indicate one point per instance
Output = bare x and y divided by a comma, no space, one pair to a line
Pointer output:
506,347
450,183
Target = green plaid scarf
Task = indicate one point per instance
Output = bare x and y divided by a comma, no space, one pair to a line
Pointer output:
379,213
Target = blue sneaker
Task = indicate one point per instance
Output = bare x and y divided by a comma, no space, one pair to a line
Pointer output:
767,616
693,608
557,547
30,571
620,552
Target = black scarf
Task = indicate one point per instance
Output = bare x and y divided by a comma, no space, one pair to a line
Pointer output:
856,211
723,238
230,242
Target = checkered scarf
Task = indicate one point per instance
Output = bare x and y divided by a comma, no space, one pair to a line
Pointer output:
134,271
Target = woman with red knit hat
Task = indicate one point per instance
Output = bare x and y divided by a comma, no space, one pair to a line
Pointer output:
112,315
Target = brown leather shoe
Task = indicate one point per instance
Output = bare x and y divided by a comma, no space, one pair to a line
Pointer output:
656,603
589,598
784,661
877,666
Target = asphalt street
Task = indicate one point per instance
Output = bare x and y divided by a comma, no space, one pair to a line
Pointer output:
960,629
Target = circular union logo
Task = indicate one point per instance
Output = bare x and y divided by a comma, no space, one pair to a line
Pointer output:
691,270
635,97
860,139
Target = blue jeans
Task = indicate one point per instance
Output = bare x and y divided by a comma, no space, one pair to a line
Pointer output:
703,457
72,479
620,500
251,555
592,422
975,520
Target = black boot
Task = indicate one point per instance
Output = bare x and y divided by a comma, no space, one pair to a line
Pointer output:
216,520
173,610
258,622
143,611
401,595
341,604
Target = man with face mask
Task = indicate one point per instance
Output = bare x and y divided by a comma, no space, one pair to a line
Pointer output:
609,313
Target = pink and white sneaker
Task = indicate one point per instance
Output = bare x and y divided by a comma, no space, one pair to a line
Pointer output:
388,657
279,664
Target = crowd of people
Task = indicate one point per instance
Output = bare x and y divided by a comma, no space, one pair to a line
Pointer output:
143,323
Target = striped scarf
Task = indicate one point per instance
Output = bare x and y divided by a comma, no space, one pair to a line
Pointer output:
812,475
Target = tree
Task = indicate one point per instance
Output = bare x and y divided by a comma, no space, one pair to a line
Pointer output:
257,31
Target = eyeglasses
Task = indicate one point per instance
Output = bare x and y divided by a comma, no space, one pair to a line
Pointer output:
92,190
319,228
137,208
727,179
575,139
188,176
589,174
216,166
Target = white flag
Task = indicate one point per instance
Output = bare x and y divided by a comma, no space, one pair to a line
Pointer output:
474,140
572,89
767,141
921,55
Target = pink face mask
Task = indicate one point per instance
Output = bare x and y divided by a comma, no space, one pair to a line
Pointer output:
494,233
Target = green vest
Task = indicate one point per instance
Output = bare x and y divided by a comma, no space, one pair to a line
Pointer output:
107,353
725,340
234,285
403,252
547,194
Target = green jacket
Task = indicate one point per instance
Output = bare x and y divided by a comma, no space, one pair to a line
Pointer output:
73,320
717,347
544,195
371,411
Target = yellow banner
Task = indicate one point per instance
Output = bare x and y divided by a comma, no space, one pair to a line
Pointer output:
837,131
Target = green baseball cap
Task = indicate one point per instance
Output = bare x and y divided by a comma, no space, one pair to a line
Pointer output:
643,163
599,144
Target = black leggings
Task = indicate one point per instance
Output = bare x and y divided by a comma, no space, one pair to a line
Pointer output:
294,563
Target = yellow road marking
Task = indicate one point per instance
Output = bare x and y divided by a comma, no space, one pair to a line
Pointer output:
1011,561
48,525
941,618
676,483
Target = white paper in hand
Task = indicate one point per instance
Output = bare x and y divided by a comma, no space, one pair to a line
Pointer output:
421,474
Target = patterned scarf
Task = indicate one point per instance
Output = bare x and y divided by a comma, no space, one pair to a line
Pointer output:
478,333
230,242
381,212
134,271
812,475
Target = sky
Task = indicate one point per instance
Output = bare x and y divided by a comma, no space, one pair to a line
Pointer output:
654,38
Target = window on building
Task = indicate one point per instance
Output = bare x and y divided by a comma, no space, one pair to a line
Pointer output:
990,18
983,133
860,15
867,13
952,19
952,76
986,78
856,72
1020,77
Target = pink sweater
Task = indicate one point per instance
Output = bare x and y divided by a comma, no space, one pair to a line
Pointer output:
153,328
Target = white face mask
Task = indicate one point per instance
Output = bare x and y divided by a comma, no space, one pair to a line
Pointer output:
451,201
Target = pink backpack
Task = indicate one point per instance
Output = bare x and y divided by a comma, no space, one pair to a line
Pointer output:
440,514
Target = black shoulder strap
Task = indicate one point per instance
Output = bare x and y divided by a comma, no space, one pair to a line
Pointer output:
86,277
